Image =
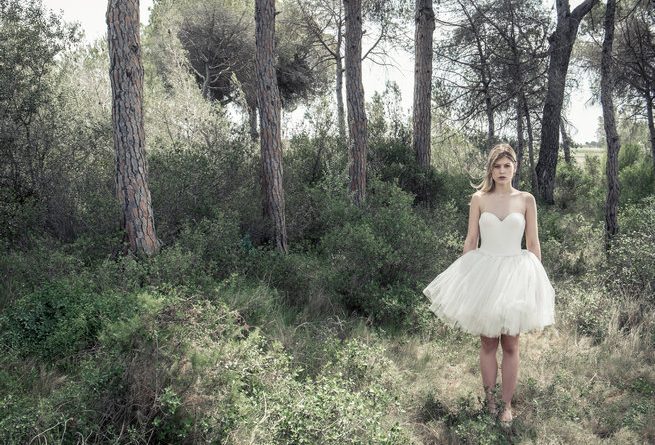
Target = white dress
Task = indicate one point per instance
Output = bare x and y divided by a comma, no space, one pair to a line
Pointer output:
497,288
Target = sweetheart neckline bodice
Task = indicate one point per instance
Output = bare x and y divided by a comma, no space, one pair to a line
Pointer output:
501,220
501,237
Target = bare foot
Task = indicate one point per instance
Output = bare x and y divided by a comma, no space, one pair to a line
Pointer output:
506,416
491,407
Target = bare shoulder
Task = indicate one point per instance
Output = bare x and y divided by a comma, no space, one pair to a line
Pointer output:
527,196
529,200
476,198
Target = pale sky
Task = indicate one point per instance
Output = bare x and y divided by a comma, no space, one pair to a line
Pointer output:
91,16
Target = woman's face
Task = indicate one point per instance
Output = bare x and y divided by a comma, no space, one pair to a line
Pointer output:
502,170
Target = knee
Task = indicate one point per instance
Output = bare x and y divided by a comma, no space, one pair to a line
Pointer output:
510,347
489,345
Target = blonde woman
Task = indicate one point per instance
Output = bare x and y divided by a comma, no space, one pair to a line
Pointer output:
497,290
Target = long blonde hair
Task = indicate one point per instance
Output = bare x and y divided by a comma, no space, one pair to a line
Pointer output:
497,151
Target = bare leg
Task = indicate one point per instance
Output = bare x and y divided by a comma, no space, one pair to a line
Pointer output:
489,368
510,371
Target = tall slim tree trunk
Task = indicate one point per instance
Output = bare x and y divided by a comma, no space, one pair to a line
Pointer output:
357,126
251,106
528,125
611,134
651,126
422,119
560,46
520,141
268,98
341,114
566,141
126,74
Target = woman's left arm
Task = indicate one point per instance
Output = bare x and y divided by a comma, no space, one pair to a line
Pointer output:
531,230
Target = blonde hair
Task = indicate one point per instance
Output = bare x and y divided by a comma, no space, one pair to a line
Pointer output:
497,151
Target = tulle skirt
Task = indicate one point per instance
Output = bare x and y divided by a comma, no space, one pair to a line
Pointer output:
485,294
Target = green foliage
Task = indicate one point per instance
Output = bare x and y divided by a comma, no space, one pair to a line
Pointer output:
382,249
571,244
468,422
636,174
579,190
586,308
58,320
630,267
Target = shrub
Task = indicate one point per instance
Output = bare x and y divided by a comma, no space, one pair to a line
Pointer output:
60,319
383,248
631,262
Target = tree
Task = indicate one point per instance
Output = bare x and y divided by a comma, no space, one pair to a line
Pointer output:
268,99
560,46
635,64
219,37
324,22
466,66
422,120
126,74
492,67
32,162
611,134
355,99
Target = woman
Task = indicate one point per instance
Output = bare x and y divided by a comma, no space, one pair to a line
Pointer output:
497,290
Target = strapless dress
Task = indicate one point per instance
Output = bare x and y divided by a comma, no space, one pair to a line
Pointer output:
497,288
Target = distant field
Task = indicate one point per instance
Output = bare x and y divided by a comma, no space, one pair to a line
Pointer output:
580,153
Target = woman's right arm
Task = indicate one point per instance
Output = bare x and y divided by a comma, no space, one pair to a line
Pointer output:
471,242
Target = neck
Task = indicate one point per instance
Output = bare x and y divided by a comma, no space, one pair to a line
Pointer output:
503,189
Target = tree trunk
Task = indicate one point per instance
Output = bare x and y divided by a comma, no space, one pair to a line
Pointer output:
520,141
422,119
651,126
528,125
566,141
613,145
126,75
341,114
357,126
560,46
251,106
269,104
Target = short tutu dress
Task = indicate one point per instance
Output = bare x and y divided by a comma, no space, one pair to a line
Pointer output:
497,288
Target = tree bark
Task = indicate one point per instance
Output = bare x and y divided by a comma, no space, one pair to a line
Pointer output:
269,104
528,125
251,106
560,46
126,75
566,141
422,119
611,134
651,126
520,141
341,114
357,126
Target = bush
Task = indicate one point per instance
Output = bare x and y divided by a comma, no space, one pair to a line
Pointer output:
391,160
636,176
630,268
578,190
60,319
571,245
384,247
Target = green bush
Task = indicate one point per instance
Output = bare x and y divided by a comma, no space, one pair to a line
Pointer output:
571,244
630,268
586,307
578,190
636,176
383,247
60,319
392,160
